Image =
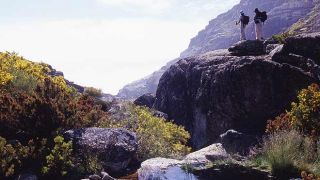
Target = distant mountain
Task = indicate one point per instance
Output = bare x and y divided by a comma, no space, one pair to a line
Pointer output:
222,32
310,23
146,85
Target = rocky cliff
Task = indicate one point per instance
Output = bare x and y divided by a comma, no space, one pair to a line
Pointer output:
310,23
217,91
221,32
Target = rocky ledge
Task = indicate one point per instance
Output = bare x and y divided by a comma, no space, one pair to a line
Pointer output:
240,89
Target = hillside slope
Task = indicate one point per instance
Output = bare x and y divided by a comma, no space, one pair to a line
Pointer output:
221,32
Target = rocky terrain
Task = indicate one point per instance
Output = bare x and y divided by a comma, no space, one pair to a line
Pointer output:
240,89
310,23
222,32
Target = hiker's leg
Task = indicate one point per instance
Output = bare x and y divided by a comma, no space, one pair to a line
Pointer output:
256,28
243,32
258,31
261,32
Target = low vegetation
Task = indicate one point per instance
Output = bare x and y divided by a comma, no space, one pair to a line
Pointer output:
292,145
156,136
37,107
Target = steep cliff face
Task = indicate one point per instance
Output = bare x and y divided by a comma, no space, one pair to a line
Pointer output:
222,32
310,23
217,91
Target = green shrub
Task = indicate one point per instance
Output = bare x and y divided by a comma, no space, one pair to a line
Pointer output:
23,80
59,161
281,38
94,92
287,153
12,157
156,136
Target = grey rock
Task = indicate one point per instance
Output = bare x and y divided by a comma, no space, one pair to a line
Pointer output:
160,114
222,32
145,100
309,23
27,176
95,177
206,155
247,48
209,95
115,148
271,47
162,168
106,176
237,143
307,45
199,165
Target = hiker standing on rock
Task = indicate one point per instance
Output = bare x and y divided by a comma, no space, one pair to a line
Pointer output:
244,21
259,20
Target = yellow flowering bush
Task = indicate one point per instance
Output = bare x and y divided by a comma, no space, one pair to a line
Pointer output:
157,137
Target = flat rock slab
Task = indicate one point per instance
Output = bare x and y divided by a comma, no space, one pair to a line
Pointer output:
247,48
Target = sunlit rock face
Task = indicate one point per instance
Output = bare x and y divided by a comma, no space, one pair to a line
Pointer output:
217,91
221,32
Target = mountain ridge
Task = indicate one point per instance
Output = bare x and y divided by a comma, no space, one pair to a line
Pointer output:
221,32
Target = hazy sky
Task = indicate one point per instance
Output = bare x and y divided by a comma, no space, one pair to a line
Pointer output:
104,43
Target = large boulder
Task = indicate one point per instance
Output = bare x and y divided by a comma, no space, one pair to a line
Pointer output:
209,95
209,163
162,168
306,45
237,143
27,176
145,100
248,47
115,148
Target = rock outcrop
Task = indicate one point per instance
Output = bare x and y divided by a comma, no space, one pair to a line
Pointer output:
115,148
247,48
162,168
308,24
146,100
214,92
237,143
203,165
221,32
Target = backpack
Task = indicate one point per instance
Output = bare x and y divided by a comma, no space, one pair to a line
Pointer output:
264,16
245,20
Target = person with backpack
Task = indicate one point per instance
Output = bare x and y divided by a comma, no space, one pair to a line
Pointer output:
259,20
243,21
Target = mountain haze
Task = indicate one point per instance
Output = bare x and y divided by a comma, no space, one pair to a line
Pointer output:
222,32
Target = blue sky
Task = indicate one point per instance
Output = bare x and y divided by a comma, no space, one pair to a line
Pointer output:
104,43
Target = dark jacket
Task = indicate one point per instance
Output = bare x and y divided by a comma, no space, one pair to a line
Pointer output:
258,17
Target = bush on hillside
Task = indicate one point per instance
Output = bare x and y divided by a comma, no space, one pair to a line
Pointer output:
59,161
35,107
12,157
94,92
281,38
303,116
297,149
156,136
